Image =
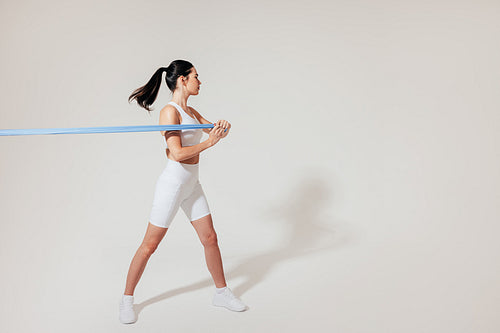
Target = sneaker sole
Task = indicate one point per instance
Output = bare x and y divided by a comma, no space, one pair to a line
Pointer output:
225,306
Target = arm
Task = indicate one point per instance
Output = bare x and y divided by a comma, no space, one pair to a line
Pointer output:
223,123
183,153
169,116
201,119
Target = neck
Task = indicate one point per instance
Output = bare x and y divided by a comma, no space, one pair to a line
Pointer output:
180,99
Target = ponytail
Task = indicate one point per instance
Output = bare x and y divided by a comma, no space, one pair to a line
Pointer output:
146,95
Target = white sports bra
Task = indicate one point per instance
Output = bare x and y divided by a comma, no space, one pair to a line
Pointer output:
189,137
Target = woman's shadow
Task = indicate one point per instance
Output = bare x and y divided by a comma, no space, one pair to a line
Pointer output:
303,215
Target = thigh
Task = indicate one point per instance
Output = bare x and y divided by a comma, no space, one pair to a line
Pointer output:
167,199
195,205
153,235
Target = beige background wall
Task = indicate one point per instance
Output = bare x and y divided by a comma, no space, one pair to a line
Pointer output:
356,192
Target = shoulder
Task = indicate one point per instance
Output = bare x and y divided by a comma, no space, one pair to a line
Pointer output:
169,115
169,109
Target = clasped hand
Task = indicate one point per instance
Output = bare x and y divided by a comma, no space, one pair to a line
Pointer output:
225,125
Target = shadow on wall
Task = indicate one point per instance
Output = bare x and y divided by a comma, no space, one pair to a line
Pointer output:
304,215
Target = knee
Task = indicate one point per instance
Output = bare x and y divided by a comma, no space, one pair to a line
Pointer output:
148,249
210,239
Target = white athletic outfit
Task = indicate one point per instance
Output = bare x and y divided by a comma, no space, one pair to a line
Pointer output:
178,184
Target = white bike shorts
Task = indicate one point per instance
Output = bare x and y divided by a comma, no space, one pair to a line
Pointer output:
178,186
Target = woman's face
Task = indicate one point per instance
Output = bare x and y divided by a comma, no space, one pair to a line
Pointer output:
192,82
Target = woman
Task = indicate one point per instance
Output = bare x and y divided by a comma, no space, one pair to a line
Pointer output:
178,185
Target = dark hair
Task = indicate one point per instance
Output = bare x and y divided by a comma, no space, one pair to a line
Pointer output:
146,95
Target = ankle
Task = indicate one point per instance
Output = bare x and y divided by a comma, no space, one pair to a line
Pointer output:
220,290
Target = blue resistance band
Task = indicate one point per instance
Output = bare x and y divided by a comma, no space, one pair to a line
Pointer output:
87,130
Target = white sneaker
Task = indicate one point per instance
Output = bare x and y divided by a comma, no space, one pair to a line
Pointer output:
228,300
127,314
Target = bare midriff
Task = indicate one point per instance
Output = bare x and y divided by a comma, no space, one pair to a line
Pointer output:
191,160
